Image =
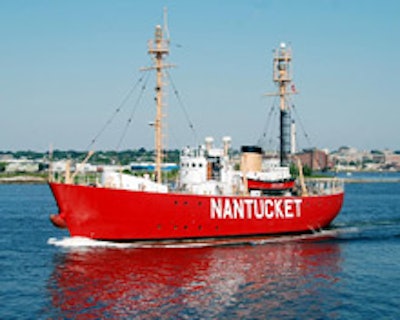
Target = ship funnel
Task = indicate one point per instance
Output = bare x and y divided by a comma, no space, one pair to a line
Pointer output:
251,159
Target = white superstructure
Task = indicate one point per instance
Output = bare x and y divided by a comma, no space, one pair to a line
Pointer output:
210,170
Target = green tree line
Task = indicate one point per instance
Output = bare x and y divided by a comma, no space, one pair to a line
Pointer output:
100,157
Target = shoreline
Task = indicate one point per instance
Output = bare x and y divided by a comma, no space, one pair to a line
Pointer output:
378,180
26,179
23,180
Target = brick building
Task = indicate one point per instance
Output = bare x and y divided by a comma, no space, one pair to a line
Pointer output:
315,159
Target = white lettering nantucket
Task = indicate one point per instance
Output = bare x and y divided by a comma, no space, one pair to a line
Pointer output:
233,208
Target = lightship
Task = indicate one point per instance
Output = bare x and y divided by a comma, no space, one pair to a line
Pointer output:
212,199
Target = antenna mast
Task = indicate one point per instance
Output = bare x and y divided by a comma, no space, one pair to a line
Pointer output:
159,48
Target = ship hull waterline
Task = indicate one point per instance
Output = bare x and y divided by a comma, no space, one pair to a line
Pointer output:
123,215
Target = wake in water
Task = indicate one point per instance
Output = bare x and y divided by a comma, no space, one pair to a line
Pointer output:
81,243
373,230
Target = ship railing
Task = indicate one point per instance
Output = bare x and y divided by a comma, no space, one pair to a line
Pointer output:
85,179
325,186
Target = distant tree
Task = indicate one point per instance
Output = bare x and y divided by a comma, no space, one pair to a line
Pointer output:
294,170
172,156
43,167
307,171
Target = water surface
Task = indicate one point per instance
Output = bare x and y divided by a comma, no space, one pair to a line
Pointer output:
348,272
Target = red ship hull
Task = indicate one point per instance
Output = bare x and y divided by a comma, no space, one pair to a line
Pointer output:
123,215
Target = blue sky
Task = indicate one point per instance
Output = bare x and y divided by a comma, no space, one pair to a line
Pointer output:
65,66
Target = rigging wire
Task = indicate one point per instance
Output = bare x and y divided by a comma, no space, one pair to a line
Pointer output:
182,105
114,114
271,114
301,125
134,108
267,127
319,161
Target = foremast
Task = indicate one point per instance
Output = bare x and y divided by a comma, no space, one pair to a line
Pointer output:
158,48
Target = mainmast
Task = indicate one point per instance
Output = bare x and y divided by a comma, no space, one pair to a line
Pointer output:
282,77
159,48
